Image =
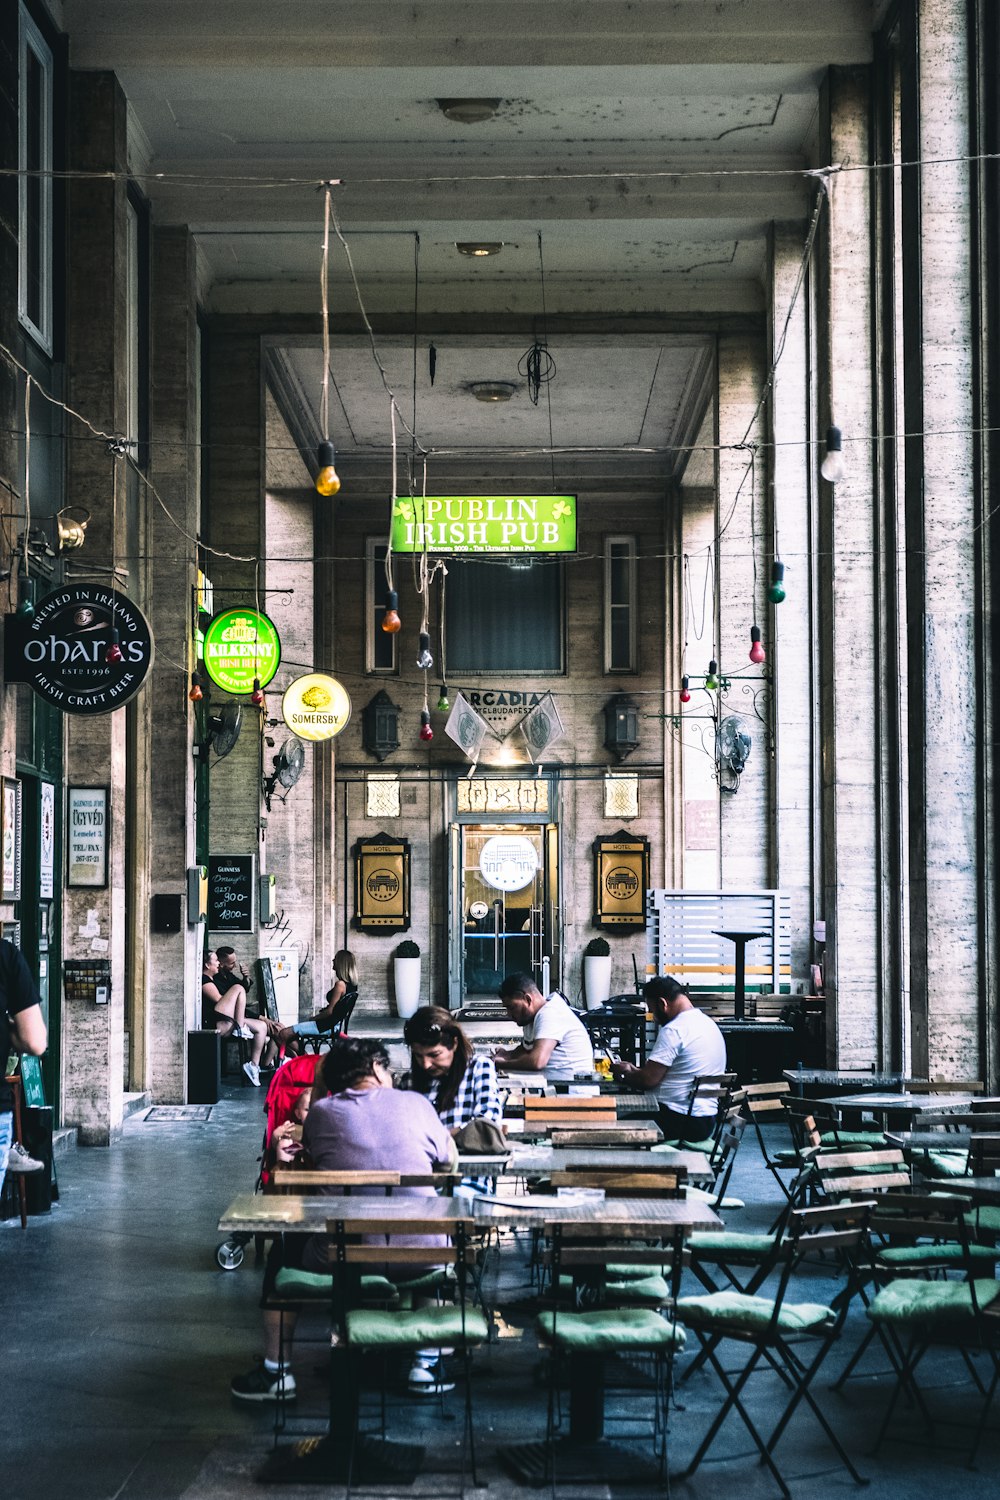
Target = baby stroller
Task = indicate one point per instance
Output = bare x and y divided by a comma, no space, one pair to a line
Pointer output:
291,1080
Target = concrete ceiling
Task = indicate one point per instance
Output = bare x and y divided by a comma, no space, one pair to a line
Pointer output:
617,123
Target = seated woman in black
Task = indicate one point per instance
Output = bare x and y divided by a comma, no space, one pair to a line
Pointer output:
227,1013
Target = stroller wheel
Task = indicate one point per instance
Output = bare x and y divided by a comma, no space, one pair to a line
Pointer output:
229,1255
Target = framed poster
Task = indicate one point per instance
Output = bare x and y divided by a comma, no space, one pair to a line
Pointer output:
47,840
621,877
87,835
10,839
382,884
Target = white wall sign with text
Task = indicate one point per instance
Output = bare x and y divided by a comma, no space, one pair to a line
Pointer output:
87,835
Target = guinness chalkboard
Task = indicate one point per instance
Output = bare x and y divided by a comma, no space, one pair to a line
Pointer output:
230,892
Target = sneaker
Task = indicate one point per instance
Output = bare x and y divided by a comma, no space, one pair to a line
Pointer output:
260,1384
20,1161
242,1033
253,1073
429,1378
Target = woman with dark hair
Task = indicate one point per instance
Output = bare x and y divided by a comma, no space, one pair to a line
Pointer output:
460,1083
357,1122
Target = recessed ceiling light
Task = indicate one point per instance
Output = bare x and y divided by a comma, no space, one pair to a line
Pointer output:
468,111
493,390
479,248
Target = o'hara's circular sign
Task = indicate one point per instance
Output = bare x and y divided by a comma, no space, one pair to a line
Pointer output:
65,649
241,645
316,707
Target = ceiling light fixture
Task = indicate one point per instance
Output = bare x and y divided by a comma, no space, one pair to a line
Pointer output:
468,111
493,390
478,249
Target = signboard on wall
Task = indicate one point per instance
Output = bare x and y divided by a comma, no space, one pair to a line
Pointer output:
87,836
502,524
382,884
316,707
621,877
86,649
47,840
230,892
241,647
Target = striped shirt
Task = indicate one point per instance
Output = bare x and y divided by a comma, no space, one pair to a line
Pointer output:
478,1098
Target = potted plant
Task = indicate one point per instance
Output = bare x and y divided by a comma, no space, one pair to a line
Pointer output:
597,972
406,977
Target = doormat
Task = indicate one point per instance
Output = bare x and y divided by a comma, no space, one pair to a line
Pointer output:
174,1114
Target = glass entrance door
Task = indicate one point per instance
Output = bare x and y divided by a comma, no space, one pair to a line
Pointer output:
505,912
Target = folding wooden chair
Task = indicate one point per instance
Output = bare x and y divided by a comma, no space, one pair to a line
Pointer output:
358,1328
601,1320
774,1329
918,1314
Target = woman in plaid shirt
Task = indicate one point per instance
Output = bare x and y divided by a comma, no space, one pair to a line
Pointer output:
460,1083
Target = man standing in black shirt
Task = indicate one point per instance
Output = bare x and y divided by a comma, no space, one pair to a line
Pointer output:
23,1030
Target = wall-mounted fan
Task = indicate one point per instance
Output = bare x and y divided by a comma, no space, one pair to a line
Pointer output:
732,749
288,766
223,731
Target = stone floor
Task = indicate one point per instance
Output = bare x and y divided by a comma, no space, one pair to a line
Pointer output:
120,1336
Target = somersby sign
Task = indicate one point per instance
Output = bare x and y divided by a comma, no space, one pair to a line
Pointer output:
61,651
484,523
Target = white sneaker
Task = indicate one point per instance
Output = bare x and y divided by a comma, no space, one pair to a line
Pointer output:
429,1378
20,1161
242,1033
253,1073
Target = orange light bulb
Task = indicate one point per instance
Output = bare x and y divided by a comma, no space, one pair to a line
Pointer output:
391,623
327,480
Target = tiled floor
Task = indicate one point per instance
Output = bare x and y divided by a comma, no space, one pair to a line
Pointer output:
120,1336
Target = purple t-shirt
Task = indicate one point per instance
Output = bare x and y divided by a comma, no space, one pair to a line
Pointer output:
376,1129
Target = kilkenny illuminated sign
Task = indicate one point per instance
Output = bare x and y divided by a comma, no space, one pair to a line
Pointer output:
484,523
241,647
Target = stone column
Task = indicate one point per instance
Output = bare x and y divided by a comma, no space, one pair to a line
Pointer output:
94,922
790,623
741,511
943,674
173,959
846,606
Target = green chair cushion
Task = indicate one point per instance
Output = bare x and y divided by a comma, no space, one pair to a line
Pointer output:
787,1158
647,1288
296,1285
907,1301
700,1195
728,1245
945,1163
985,1219
627,1272
864,1140
430,1326
610,1329
751,1314
705,1149
918,1255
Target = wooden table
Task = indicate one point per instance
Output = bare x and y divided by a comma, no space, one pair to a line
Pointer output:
540,1161
630,1106
895,1110
275,1213
614,1133
836,1078
930,1140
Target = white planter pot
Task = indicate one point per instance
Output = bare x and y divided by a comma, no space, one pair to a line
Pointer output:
596,979
406,978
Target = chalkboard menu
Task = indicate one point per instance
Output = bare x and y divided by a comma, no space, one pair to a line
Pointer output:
230,892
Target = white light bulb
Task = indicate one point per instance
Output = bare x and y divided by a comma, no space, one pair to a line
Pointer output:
832,467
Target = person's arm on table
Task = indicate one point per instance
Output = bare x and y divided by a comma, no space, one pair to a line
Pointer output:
527,1059
649,1076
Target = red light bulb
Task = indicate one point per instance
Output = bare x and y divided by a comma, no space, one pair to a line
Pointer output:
257,696
685,693
391,622
426,732
196,693
114,651
757,653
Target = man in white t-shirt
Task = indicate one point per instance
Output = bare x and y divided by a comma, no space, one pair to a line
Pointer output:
689,1046
556,1042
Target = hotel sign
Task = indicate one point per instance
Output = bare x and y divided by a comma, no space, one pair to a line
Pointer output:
484,523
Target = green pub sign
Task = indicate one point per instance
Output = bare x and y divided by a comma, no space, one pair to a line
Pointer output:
241,645
484,523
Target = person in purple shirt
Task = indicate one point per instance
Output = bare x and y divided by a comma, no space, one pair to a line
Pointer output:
357,1121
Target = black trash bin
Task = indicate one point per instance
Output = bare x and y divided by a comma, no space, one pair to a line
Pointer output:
42,1188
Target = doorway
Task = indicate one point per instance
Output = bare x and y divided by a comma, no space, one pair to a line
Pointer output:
504,906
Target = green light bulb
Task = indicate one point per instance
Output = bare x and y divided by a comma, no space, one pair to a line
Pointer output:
776,592
712,680
443,703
